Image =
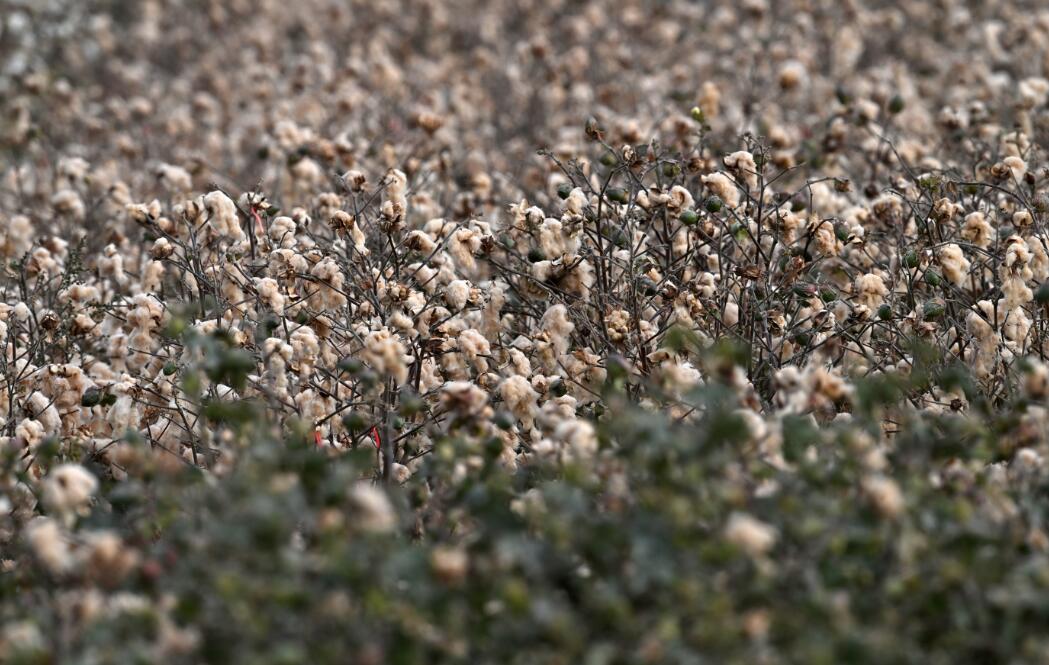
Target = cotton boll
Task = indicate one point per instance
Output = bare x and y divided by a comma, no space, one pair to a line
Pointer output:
384,352
955,265
67,491
67,202
30,431
463,398
750,534
221,215
556,323
871,291
520,398
51,545
578,437
885,494
175,179
372,510
744,168
723,187
457,293
977,230
476,348
43,411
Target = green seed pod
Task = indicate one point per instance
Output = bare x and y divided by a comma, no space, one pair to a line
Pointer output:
535,255
910,259
933,278
558,388
689,218
671,170
564,189
828,294
170,368
351,365
714,204
617,194
1041,294
609,159
885,312
91,397
896,104
932,310
805,290
503,420
354,421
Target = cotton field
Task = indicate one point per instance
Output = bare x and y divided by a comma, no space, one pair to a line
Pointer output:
415,331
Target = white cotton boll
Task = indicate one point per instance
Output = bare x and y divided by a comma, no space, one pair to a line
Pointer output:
328,287
463,398
476,348
730,316
551,240
750,534
385,353
50,544
111,264
396,203
520,398
680,199
792,74
43,410
579,438
68,490
17,238
20,312
222,215
67,202
457,293
282,232
556,323
175,179
306,173
372,510
871,291
31,431
420,241
152,275
306,348
977,230
1017,167
744,168
576,202
723,187
1032,92
885,494
955,265
401,473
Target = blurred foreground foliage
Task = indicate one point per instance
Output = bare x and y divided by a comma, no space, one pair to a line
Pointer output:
626,559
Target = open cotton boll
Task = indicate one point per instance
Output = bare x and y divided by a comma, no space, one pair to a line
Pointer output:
723,187
520,398
753,536
372,510
51,545
67,491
